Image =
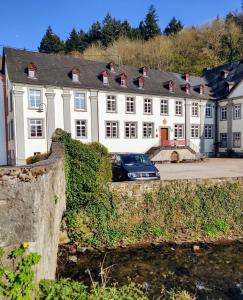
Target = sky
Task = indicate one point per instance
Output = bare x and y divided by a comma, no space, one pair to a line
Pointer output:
24,22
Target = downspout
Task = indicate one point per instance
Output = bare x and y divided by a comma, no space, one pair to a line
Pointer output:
216,144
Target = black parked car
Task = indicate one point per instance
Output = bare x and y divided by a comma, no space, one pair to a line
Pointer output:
133,166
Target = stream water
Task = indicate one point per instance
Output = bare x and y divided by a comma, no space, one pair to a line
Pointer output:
215,271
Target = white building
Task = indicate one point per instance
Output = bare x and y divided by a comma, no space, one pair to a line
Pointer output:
127,109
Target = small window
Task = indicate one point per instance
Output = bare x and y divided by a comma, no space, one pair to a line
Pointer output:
130,105
164,107
31,70
11,101
223,140
34,99
111,130
195,109
75,77
131,130
179,131
178,108
141,82
36,128
123,83
11,130
148,106
148,130
194,131
223,113
236,139
208,131
105,80
171,86
81,128
237,111
111,104
209,111
79,101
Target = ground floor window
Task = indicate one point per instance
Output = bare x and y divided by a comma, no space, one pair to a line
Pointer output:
36,128
194,131
131,130
81,128
236,139
223,140
111,129
179,131
148,130
208,131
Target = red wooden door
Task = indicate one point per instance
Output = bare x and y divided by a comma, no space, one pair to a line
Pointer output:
163,135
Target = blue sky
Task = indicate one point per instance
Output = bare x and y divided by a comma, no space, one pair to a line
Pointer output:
25,21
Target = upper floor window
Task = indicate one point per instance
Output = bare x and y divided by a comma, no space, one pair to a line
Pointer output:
148,130
195,109
123,80
178,108
208,131
164,107
111,129
201,89
130,105
179,131
194,131
223,140
111,103
36,129
131,130
79,101
141,82
236,139
81,128
34,98
145,71
171,86
31,69
237,111
223,113
148,106
75,75
105,77
209,111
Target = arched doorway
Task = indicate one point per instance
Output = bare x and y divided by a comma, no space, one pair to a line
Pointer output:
174,156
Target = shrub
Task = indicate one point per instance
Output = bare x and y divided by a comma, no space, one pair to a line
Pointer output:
36,158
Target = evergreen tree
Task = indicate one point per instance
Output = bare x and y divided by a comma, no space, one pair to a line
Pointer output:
111,30
94,34
76,41
150,27
51,43
173,27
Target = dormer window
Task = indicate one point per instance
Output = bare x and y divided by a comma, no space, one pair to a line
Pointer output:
141,82
75,75
187,88
229,86
112,67
224,74
31,70
171,86
123,80
187,77
105,75
145,71
201,89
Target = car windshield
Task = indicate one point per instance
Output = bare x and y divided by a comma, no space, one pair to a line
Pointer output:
136,159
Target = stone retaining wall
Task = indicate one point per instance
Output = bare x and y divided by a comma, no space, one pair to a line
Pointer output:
32,202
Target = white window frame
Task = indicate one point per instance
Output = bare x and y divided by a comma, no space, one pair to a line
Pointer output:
195,134
208,131
130,105
111,104
237,111
81,125
178,108
76,77
37,103
179,131
148,106
209,110
113,125
236,141
105,80
164,107
148,130
35,121
130,130
223,113
195,109
78,99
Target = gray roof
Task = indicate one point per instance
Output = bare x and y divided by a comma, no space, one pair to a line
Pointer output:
54,70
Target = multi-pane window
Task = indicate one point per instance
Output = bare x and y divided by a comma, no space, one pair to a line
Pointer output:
209,111
11,101
36,128
79,101
223,140
194,131
236,139
195,109
178,108
237,111
223,113
208,131
179,131
111,104
111,129
130,105
148,130
164,107
11,130
131,130
34,98
148,106
81,128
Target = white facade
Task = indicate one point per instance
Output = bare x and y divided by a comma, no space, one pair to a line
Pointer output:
3,146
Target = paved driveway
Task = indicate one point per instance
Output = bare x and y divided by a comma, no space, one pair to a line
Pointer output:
212,168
